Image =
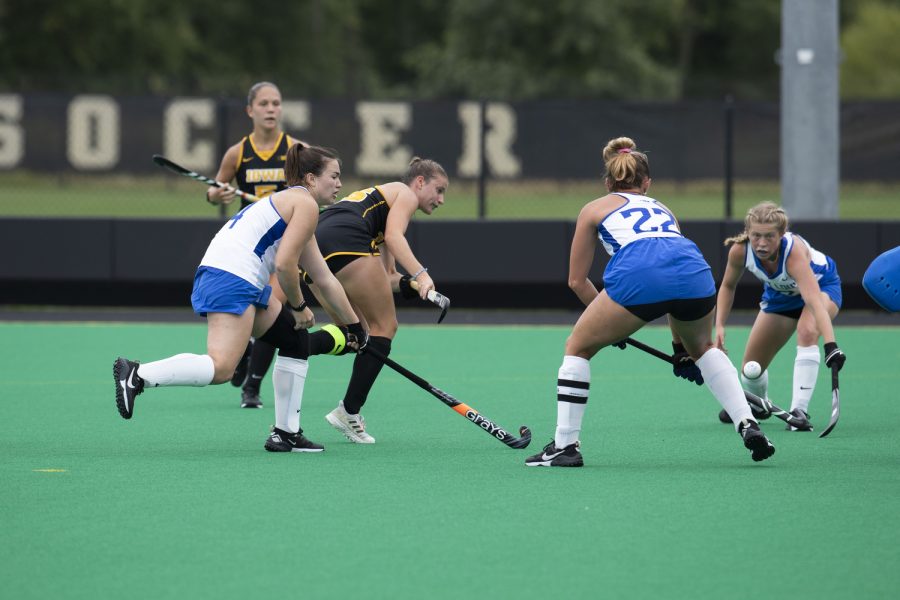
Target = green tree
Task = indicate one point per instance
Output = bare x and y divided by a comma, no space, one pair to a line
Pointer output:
535,48
871,66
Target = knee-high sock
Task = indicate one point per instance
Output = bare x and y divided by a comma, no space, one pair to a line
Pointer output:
288,378
572,387
722,380
365,369
806,369
195,370
260,361
759,386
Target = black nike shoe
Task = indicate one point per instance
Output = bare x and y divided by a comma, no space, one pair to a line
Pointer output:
755,441
551,456
758,414
250,399
128,385
282,441
800,421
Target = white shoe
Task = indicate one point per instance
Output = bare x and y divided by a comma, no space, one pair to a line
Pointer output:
352,426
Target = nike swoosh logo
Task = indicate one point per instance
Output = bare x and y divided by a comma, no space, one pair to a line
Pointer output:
805,388
125,394
546,456
130,381
246,159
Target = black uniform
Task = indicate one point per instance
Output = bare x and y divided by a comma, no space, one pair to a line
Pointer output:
262,173
352,227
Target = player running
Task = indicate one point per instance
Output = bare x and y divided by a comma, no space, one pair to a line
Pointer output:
231,290
362,237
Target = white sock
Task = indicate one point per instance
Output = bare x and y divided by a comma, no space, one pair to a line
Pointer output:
722,379
572,390
806,370
759,386
195,370
288,378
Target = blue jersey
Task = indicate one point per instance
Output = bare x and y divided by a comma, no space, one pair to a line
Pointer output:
780,290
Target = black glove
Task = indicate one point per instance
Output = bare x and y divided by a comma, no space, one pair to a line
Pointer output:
355,334
683,366
620,344
834,356
406,288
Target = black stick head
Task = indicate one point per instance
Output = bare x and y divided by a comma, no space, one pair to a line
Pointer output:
524,440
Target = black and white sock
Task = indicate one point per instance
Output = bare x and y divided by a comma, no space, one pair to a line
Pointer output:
572,387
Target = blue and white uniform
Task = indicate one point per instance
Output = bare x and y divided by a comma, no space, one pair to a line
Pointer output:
234,273
780,290
651,260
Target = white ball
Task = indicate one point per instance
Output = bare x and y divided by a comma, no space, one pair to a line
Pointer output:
752,370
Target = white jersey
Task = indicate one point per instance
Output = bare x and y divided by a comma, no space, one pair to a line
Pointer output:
245,246
781,281
640,217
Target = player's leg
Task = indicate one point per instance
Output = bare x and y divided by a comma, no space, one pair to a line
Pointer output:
769,333
806,363
721,378
240,372
226,336
261,357
276,328
368,288
603,322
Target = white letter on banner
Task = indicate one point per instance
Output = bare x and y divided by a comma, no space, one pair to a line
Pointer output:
500,122
380,150
295,115
179,120
12,136
93,126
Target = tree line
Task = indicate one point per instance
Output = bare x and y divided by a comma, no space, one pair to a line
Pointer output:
499,49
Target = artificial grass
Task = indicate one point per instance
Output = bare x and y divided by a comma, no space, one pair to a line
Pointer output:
182,501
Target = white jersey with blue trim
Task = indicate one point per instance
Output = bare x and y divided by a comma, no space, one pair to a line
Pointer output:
781,281
246,244
640,217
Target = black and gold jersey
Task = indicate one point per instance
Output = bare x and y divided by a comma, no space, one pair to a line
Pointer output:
261,173
370,208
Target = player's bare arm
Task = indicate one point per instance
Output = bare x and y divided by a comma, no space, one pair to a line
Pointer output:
581,255
301,212
797,266
404,206
226,173
734,268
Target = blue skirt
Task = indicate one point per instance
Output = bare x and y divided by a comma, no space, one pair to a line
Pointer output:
656,270
218,291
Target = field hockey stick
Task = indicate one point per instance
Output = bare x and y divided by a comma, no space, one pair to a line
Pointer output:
468,412
436,298
763,404
835,403
165,163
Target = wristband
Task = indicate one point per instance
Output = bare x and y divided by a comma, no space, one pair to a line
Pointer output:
299,307
420,271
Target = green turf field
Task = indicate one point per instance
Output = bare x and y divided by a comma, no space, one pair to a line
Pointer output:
173,196
183,502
